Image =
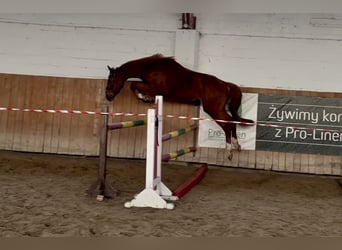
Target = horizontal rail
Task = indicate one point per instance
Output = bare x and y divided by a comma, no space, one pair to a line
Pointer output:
178,132
180,152
128,124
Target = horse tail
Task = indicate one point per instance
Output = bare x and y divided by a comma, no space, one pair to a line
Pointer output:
234,105
244,121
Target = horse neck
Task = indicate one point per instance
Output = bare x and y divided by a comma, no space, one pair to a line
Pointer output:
129,70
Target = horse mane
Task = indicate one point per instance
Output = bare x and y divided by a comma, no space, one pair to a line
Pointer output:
157,57
147,60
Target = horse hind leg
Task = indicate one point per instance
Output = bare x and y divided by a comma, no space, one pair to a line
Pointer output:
234,143
229,151
237,118
233,107
234,139
228,128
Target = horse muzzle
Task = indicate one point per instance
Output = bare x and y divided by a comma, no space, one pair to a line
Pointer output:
110,94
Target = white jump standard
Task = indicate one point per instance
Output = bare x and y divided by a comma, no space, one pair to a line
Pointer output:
156,193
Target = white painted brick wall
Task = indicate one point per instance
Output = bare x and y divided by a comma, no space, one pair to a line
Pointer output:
81,45
289,51
293,51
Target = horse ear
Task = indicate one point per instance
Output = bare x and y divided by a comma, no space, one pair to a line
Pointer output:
109,68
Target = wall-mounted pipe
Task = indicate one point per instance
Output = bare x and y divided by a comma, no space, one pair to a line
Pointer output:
188,21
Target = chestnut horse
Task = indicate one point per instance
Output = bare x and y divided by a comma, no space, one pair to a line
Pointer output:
164,76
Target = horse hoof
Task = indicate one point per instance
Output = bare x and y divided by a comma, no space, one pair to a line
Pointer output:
235,144
148,99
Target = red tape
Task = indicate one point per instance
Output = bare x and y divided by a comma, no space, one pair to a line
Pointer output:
71,111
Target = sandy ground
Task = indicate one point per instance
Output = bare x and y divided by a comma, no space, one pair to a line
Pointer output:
44,195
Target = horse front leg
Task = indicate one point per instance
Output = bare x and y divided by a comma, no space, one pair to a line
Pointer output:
142,91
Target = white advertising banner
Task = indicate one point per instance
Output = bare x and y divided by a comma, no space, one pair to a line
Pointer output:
212,135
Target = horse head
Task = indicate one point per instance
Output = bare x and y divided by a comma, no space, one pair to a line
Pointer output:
113,87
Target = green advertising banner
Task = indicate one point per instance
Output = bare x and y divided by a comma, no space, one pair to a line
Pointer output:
305,124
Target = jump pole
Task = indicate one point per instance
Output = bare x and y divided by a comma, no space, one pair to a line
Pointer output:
178,132
156,192
189,184
175,154
102,188
128,124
